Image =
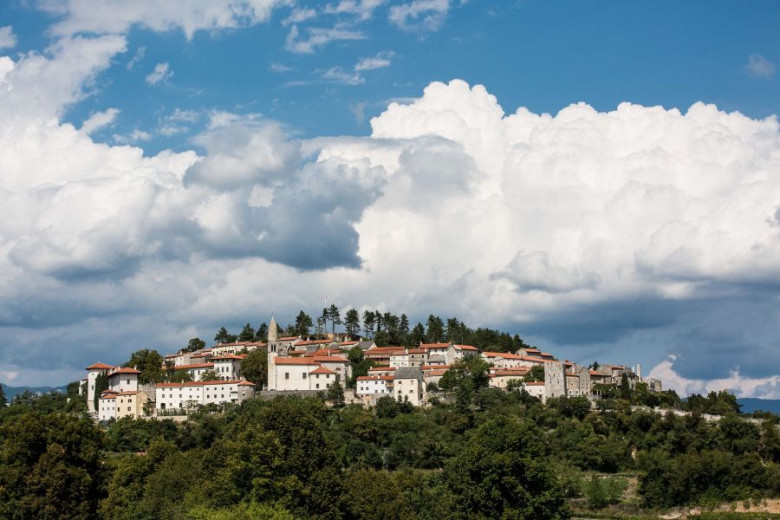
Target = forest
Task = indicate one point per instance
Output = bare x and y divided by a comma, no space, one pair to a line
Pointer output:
485,453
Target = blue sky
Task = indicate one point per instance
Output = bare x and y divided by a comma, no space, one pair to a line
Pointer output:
163,162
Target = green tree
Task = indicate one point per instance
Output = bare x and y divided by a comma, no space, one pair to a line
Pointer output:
101,384
322,322
369,320
435,330
303,324
254,367
49,467
150,363
261,334
504,472
179,376
3,400
210,375
360,365
352,323
223,336
624,388
334,316
535,374
336,394
417,335
247,333
194,345
377,495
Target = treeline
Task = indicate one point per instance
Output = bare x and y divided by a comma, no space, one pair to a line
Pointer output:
480,453
384,328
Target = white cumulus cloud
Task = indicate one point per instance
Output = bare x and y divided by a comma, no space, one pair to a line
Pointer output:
761,388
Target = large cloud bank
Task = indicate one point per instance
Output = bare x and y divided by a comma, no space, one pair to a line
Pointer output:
598,233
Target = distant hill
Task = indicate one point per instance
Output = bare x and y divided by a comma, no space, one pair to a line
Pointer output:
750,405
11,391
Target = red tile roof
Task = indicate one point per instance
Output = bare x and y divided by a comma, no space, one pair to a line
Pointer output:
228,356
313,342
296,361
467,347
427,346
99,366
534,383
200,383
504,355
322,370
324,352
331,359
124,370
194,365
375,378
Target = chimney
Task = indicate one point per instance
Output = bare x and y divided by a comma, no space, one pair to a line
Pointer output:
639,371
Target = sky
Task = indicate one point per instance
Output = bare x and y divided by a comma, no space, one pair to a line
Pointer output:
602,178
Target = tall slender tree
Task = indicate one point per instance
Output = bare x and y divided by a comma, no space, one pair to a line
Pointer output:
335,317
303,324
368,323
435,330
352,323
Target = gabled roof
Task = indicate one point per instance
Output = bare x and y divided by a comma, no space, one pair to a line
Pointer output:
324,352
503,355
228,357
99,366
124,370
313,342
331,359
375,378
381,369
408,373
296,361
322,370
534,383
427,346
470,348
201,383
384,350
194,365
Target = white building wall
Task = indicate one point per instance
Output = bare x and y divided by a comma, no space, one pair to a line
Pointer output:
408,390
372,387
123,382
106,408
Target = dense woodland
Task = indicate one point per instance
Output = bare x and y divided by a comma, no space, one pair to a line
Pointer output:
481,453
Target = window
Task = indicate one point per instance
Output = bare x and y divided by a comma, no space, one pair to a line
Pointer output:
129,408
317,385
287,375
304,375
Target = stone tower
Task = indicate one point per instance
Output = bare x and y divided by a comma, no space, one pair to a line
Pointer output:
554,380
273,335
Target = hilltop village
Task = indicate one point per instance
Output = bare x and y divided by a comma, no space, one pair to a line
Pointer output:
301,366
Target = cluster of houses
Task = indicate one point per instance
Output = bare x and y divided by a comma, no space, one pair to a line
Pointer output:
302,366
